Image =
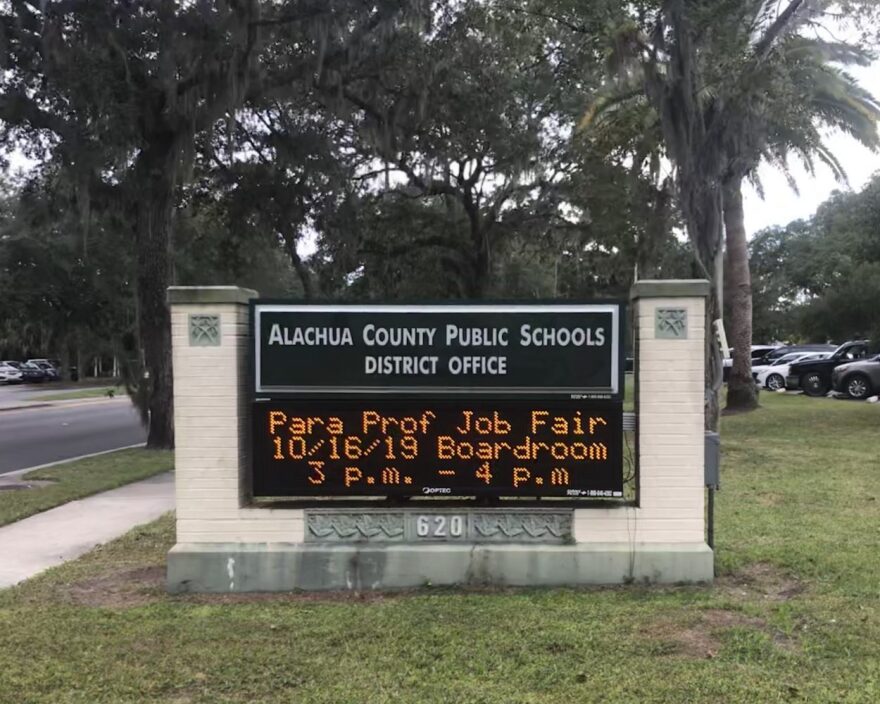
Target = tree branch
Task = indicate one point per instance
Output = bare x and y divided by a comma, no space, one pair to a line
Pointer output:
578,28
765,43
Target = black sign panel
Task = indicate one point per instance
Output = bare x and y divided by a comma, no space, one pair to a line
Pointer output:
571,350
406,447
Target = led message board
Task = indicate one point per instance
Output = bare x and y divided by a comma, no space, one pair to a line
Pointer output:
526,350
406,447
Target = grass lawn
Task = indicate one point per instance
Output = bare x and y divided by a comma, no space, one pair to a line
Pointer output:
74,480
91,392
794,615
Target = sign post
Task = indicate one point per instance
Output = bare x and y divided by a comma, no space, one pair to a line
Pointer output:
334,446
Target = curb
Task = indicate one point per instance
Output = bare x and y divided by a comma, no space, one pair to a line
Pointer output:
19,472
70,402
22,408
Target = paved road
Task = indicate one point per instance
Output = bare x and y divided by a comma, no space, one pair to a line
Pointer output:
36,436
15,394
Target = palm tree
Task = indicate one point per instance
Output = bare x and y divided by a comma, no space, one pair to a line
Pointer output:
711,76
788,104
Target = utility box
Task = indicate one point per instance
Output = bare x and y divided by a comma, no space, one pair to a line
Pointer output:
712,459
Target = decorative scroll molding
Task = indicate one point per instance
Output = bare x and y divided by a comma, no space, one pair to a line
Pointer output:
670,323
479,526
204,330
354,527
522,527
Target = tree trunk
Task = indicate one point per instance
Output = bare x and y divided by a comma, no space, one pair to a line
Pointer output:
299,266
741,394
698,158
65,359
482,269
479,284
703,203
155,178
713,361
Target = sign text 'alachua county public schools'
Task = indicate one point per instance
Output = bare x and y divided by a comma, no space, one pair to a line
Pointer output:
571,349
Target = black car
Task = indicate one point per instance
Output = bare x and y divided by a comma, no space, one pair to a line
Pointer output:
814,376
50,372
32,373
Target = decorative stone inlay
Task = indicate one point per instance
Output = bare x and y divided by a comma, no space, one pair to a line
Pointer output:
204,330
470,525
354,527
522,527
670,323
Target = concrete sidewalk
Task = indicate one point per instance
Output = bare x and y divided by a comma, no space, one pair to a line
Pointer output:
34,544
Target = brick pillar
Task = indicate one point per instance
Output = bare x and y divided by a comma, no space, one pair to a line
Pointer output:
210,337
670,318
669,327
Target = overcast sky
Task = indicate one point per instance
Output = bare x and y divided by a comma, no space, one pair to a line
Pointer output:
781,205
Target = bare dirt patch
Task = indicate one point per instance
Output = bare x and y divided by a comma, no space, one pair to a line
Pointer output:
365,597
770,500
760,580
119,589
146,585
341,596
700,638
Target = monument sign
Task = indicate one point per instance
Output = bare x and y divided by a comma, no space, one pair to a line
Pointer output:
335,446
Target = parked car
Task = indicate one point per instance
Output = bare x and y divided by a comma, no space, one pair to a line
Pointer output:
9,374
72,371
31,373
814,376
758,352
771,357
50,362
50,371
772,376
760,365
857,379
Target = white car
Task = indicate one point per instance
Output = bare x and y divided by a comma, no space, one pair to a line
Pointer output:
9,374
772,376
757,352
784,359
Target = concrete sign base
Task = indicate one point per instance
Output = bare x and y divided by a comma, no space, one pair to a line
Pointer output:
272,567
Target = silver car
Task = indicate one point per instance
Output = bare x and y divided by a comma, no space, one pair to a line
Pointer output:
859,379
9,374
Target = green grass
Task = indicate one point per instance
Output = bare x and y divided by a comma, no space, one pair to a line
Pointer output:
74,480
793,617
93,392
